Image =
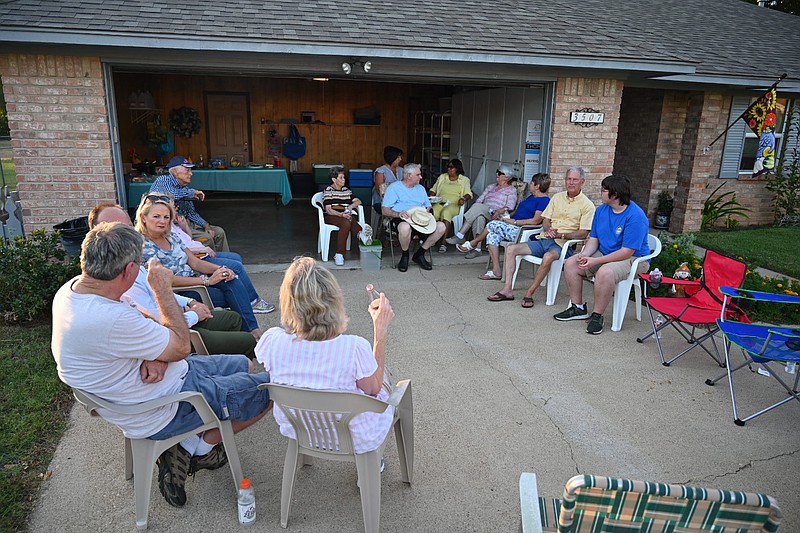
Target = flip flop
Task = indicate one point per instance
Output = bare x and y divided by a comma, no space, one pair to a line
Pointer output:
443,249
527,302
489,276
464,248
499,297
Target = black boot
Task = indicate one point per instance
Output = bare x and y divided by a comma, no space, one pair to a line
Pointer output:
419,258
402,266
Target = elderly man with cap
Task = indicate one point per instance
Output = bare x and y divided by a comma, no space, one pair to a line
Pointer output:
406,203
495,201
177,184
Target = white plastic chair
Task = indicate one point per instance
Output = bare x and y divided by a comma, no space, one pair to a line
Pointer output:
458,220
554,276
141,454
524,234
321,422
622,291
325,230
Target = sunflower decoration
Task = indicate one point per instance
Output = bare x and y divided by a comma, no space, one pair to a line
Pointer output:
184,121
761,115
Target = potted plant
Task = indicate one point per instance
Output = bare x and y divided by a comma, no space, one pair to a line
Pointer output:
663,210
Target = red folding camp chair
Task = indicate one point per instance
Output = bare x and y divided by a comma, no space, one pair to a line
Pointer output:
701,310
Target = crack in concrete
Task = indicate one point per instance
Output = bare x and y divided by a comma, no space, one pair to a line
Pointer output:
532,403
742,467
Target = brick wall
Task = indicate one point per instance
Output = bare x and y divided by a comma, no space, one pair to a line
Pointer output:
698,172
60,135
668,148
638,139
592,148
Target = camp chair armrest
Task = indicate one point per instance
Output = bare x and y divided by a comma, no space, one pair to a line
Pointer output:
195,398
672,281
202,290
792,333
759,295
569,244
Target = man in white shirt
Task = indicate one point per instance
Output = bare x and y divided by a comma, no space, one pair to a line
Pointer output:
107,348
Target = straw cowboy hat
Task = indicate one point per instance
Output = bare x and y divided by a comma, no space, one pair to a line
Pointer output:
421,220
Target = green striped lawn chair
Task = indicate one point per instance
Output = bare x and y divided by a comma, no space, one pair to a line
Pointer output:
601,504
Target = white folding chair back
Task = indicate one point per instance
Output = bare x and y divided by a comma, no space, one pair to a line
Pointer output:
325,230
623,289
554,276
202,290
321,422
141,454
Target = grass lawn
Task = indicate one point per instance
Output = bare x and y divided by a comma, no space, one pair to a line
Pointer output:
9,174
772,248
34,406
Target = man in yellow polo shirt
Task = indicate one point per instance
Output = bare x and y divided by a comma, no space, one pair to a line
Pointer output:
568,216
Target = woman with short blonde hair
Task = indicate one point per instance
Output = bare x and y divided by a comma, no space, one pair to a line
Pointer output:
311,349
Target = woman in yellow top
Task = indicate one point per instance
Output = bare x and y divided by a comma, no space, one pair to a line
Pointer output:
453,188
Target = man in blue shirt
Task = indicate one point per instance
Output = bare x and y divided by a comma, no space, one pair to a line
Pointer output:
177,183
399,198
618,236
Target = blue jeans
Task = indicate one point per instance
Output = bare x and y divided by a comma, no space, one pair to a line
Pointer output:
233,294
230,390
233,261
539,247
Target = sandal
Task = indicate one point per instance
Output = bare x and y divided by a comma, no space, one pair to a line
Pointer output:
499,297
464,248
443,249
527,302
490,276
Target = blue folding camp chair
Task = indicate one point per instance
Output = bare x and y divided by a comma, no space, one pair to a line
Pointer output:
769,346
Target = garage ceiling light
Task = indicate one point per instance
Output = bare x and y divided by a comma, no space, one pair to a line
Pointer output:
347,68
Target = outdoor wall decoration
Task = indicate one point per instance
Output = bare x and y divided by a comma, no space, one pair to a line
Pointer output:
184,121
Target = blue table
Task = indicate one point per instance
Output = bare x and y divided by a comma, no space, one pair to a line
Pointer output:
272,180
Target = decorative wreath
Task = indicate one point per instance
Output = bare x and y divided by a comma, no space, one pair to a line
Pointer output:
184,121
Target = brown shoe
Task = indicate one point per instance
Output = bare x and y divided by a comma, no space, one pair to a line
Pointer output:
173,469
214,459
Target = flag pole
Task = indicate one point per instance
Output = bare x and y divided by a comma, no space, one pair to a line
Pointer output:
708,148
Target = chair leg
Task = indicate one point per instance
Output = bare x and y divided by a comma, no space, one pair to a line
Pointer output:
144,456
289,475
553,279
404,435
621,294
368,466
516,272
232,452
128,459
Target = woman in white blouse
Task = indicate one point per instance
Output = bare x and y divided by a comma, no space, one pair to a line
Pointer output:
311,349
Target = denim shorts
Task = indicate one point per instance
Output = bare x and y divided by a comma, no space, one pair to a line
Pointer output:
539,247
230,390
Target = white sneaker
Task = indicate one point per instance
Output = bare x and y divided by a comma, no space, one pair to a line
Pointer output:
263,306
338,259
365,235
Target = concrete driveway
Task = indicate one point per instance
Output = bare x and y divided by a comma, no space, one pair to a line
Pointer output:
498,390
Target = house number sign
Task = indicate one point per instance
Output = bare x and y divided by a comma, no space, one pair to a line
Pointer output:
587,117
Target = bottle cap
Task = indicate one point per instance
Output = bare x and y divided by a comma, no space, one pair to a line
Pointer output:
245,484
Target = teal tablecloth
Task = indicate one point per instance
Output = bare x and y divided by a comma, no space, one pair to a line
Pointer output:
274,180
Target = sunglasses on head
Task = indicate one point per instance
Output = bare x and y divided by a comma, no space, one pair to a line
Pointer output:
501,173
158,198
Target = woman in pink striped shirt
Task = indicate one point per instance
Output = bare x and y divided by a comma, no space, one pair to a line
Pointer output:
311,349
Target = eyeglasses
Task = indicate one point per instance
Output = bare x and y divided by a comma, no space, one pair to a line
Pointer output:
603,189
158,198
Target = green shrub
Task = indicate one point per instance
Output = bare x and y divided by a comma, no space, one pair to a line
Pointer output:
676,249
721,208
31,271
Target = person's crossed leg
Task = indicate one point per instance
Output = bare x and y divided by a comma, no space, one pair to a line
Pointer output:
547,249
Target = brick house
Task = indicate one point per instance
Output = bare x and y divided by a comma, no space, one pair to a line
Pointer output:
667,76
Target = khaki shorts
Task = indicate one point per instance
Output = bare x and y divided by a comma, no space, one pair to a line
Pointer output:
621,269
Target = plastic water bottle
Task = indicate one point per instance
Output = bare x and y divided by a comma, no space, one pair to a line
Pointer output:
373,294
658,321
247,503
655,278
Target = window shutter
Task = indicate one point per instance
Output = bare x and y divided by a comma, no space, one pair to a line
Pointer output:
791,141
734,140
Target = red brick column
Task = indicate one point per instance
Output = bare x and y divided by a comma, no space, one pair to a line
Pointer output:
698,172
668,146
592,148
60,136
